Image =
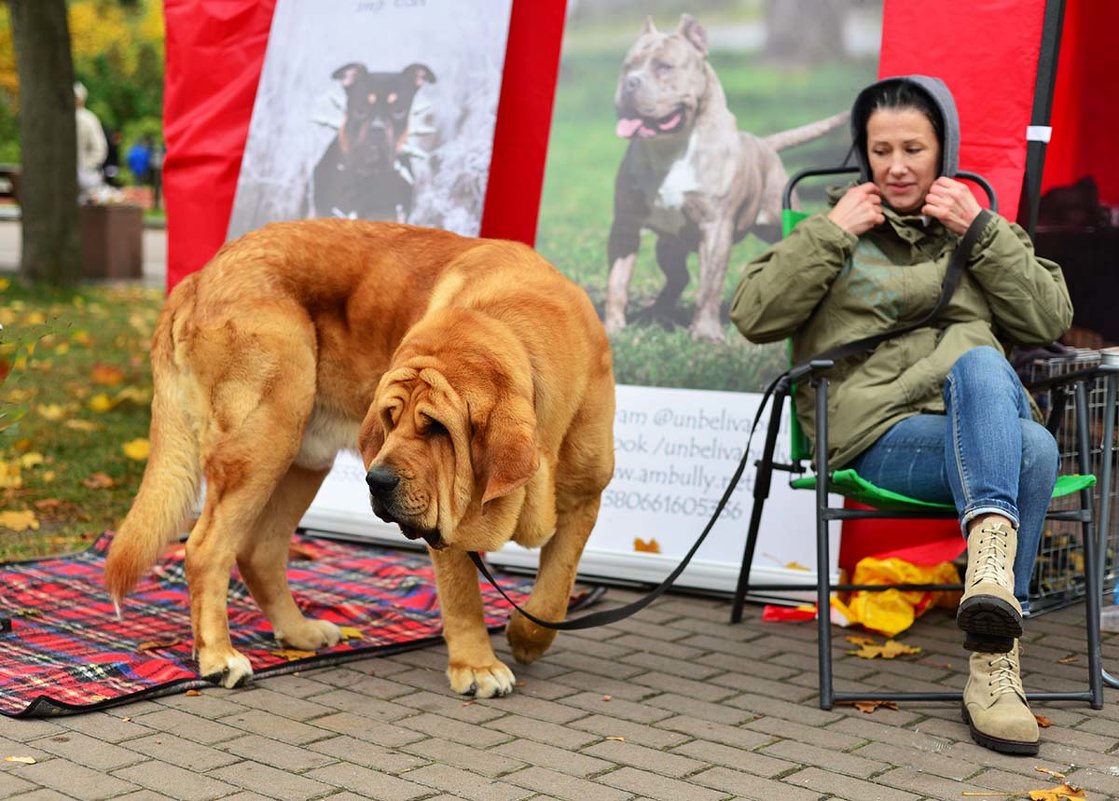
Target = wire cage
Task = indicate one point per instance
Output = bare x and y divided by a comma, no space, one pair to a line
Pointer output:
1058,578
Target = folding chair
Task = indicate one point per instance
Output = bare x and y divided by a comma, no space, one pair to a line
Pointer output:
889,505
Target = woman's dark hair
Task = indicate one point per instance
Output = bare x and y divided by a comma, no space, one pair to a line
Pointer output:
898,95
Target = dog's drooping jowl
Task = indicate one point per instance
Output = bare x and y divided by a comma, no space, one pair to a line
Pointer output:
475,379
688,174
366,172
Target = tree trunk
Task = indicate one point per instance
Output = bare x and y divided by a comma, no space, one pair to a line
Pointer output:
805,31
49,166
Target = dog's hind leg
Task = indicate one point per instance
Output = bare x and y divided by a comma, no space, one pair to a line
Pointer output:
264,556
472,667
260,400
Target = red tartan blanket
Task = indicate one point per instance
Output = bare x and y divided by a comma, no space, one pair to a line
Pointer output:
67,651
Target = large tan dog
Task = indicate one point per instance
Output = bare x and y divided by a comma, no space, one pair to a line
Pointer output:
478,377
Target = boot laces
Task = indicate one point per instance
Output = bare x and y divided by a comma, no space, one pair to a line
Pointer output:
1005,678
991,555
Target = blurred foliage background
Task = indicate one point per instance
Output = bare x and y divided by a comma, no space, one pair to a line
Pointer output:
118,55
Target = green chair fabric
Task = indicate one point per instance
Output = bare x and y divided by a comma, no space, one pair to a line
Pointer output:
850,484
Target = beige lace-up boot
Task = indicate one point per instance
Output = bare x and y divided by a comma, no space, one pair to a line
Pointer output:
995,707
988,611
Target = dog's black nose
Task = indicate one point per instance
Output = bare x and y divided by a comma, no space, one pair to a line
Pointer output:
381,479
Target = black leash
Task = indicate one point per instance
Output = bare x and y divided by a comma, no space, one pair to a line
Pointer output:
820,362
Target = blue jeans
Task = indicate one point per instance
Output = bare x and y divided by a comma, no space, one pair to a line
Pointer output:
984,454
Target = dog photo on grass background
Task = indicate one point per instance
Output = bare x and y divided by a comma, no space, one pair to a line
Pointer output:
672,137
375,111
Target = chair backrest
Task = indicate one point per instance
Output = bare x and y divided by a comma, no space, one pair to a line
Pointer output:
800,449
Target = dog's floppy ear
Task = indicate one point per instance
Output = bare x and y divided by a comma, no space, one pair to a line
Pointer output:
504,449
419,74
693,32
348,73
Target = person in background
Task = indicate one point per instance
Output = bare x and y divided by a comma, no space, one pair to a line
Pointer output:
140,160
110,168
92,146
938,413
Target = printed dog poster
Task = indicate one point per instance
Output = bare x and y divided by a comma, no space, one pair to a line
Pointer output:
659,114
375,109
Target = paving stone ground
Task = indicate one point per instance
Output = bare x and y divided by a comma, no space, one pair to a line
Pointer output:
675,704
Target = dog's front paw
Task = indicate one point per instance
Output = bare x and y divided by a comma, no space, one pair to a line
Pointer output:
527,641
484,681
311,635
229,670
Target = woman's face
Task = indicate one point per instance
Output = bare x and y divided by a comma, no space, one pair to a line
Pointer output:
904,155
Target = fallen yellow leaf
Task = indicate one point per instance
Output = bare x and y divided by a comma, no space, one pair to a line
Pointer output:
890,650
795,566
138,449
23,760
62,349
4,284
10,477
291,654
19,521
82,338
101,403
642,546
134,394
51,411
1057,793
1043,721
31,459
35,318
83,425
868,707
1056,774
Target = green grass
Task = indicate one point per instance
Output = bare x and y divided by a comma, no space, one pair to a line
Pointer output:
578,196
61,450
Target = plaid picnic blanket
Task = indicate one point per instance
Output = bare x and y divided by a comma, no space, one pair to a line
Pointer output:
67,652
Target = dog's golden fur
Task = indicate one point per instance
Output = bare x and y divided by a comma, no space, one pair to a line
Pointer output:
476,378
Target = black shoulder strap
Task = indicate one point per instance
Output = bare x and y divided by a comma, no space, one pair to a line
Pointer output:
947,288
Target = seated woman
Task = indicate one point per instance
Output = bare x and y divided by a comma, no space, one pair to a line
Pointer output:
938,413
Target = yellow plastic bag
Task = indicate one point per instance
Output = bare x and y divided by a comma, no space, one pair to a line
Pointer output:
891,612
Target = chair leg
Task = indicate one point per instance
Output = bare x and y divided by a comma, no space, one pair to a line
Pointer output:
823,578
762,482
1091,570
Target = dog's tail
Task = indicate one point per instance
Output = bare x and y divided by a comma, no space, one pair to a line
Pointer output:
169,487
806,133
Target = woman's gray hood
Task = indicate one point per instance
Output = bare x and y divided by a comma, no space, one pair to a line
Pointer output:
937,91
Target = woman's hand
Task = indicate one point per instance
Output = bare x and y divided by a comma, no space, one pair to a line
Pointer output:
952,203
859,210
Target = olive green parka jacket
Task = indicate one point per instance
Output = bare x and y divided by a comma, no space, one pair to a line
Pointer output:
822,287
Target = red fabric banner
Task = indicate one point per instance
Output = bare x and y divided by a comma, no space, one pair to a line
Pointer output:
1086,100
987,54
215,52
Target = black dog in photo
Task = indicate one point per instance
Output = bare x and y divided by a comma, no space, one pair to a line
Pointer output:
365,172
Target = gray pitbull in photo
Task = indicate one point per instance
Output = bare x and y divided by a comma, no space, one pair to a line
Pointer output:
689,174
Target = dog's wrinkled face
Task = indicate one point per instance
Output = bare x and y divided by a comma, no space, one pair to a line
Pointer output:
662,80
378,105
434,458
